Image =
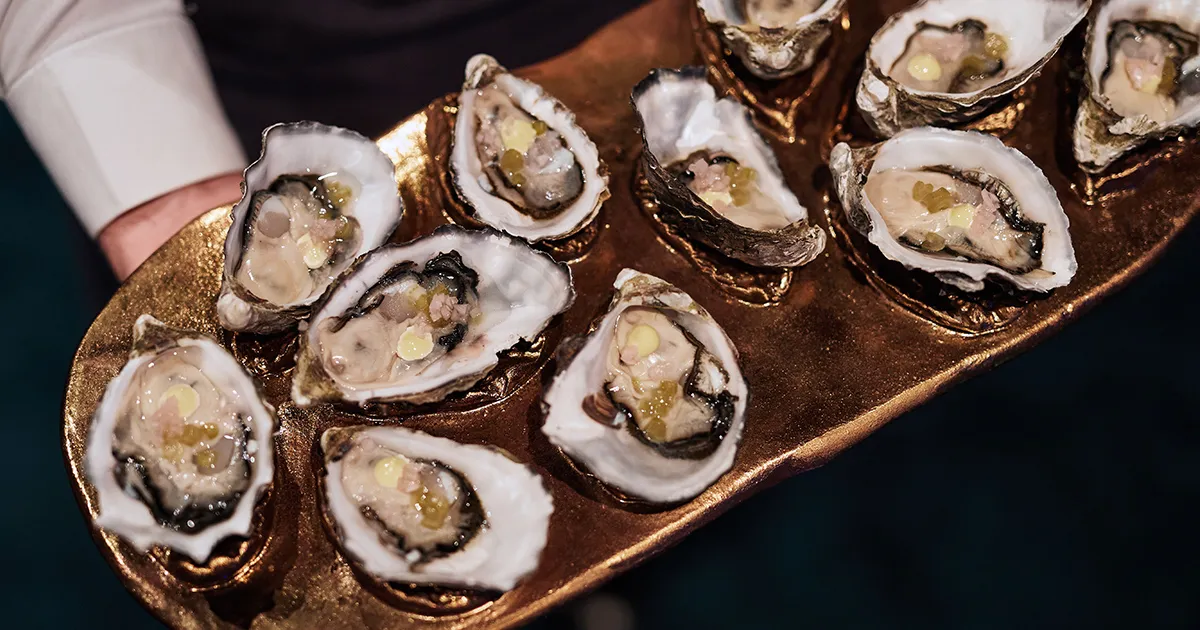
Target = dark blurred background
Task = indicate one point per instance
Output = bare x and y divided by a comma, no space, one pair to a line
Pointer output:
1058,491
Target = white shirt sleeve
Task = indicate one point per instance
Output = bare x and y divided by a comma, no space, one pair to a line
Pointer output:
115,97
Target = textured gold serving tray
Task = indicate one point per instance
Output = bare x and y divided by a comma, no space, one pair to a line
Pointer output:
832,351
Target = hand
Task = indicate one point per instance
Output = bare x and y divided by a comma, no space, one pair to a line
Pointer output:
130,239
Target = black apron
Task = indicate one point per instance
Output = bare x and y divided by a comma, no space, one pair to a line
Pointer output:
368,64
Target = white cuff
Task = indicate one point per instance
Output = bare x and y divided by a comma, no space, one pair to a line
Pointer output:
125,116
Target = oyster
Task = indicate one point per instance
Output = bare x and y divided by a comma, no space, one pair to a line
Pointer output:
947,62
1143,78
413,508
653,401
957,204
774,39
716,179
416,322
180,447
520,159
316,199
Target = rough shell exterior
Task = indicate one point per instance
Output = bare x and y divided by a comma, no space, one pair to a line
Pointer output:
127,516
773,53
794,245
890,107
306,147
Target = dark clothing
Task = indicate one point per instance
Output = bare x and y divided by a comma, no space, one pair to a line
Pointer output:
368,64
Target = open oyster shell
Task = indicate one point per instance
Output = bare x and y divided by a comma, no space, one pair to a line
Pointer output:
417,509
1152,42
416,322
1000,216
774,39
316,199
181,445
891,97
657,415
683,120
520,159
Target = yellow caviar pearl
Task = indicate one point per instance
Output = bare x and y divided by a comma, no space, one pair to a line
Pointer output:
995,45
414,346
206,460
172,452
185,396
925,67
389,470
517,134
315,254
644,338
962,215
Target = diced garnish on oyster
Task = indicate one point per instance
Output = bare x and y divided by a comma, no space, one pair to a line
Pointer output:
774,39
715,178
413,508
947,62
653,401
1143,78
730,189
1145,75
520,159
669,385
416,322
968,214
316,199
959,205
180,446
964,57
298,235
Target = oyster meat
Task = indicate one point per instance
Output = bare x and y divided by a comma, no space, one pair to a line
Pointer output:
180,446
519,158
774,39
959,205
1143,78
652,402
715,178
412,508
416,322
316,199
947,62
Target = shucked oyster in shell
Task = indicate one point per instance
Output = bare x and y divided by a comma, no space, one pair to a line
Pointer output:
417,509
180,446
316,199
416,322
520,159
714,176
774,39
959,205
947,62
1143,78
652,401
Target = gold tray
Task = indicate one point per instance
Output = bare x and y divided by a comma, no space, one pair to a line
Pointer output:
832,351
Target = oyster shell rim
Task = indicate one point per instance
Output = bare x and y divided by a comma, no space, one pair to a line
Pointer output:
480,69
849,171
1095,117
900,97
132,520
562,427
487,457
815,27
311,382
260,315
791,246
